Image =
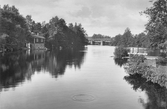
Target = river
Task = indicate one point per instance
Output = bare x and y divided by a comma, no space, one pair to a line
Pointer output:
82,79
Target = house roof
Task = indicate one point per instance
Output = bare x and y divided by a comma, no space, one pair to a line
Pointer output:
37,36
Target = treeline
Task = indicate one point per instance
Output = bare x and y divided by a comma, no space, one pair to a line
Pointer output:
156,29
127,39
16,30
58,34
13,28
100,36
130,40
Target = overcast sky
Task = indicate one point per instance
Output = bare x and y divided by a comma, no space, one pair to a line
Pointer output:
107,17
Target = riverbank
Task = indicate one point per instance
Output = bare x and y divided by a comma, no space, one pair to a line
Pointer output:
148,69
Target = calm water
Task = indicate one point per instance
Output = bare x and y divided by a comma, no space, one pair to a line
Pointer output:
76,79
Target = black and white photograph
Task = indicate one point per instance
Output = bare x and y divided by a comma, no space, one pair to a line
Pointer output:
83,54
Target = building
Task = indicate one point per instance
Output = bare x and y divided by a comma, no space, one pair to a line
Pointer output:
38,42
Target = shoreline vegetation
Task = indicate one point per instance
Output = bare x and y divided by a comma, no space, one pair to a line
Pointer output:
140,65
16,31
153,70
155,37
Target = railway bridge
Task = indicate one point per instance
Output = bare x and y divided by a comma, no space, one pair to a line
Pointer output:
99,41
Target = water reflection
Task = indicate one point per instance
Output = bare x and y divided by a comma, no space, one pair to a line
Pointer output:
16,68
57,61
120,55
147,74
157,95
13,69
120,61
148,68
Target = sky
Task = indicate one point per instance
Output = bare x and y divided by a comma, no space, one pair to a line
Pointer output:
106,17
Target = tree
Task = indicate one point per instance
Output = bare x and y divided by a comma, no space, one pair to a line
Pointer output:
157,25
0,21
12,9
126,38
71,26
29,22
56,32
37,28
116,40
15,26
141,40
59,35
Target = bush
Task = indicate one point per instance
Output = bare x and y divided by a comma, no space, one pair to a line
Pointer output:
136,65
161,61
120,61
121,52
137,59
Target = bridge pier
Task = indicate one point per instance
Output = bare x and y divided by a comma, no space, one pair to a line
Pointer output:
101,42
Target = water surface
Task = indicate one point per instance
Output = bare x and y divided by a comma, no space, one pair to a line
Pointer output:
73,79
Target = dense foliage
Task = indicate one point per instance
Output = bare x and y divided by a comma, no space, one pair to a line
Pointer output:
120,61
157,25
58,34
139,65
13,28
121,52
130,40
100,36
16,31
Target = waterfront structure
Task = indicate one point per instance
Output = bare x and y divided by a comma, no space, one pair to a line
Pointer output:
99,41
38,42
137,51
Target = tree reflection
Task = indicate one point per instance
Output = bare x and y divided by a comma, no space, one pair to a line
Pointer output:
15,68
120,55
120,61
157,95
147,75
57,61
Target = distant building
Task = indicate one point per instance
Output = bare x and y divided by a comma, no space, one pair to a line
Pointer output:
38,42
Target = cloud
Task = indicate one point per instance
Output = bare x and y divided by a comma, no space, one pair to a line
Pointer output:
114,15
109,17
31,3
84,12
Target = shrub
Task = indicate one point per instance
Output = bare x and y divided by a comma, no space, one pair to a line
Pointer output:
121,52
161,61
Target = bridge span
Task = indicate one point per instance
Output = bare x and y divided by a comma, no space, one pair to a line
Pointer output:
99,41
